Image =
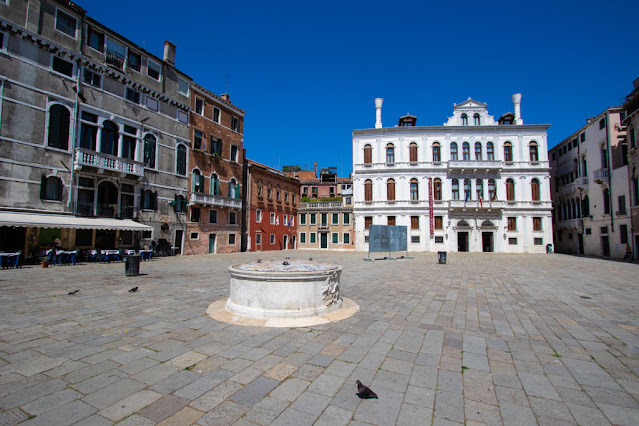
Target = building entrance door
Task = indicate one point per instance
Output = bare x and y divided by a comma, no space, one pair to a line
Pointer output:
462,241
324,240
580,238
605,245
285,242
293,242
179,235
487,242
211,243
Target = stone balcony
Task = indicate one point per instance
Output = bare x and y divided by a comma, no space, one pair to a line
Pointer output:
582,183
475,205
601,175
200,198
101,161
471,167
570,224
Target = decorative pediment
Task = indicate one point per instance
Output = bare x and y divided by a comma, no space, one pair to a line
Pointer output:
470,113
470,104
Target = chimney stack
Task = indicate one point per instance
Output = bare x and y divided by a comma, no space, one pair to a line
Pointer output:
169,53
378,112
315,164
517,104
226,97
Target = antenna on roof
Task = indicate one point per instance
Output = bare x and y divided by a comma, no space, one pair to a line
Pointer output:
227,83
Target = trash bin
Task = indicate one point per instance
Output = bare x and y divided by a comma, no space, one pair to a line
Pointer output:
132,265
548,248
441,257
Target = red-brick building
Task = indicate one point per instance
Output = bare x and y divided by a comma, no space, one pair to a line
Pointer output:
271,213
215,168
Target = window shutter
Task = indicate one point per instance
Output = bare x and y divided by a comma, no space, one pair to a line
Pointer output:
175,203
238,191
142,199
54,126
43,187
59,189
154,201
217,186
65,124
193,178
201,178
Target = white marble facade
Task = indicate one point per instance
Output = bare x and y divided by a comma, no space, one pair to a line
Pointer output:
494,179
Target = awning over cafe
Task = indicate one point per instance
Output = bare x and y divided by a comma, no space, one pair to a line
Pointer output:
36,220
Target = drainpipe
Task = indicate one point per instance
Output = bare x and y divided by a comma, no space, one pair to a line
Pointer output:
612,210
76,120
1,101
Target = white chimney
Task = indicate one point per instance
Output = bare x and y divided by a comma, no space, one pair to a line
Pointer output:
378,112
517,104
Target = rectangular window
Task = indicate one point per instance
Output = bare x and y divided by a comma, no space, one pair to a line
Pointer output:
182,116
603,229
536,224
303,219
512,223
231,239
285,220
62,66
439,222
439,239
234,152
347,238
272,239
235,124
623,234
346,218
258,215
512,241
134,61
232,218
414,222
602,123
622,205
272,218
313,218
303,238
335,219
258,238
132,95
153,69
199,106
65,23
391,220
195,214
366,238
414,239
539,241
92,78
198,136
368,221
588,231
95,40
212,216
115,54
216,146
583,137
335,237
183,86
313,236
194,235
152,104
216,114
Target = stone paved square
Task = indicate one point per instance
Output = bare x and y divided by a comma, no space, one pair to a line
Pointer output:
486,338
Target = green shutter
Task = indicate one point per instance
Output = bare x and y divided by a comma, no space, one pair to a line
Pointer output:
217,186
193,182
238,192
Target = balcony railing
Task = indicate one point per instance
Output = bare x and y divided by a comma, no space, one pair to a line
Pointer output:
582,182
480,166
570,224
475,204
87,157
215,200
601,175
572,186
320,205
104,210
114,60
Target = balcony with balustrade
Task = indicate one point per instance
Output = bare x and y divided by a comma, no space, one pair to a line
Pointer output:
203,199
104,210
475,205
601,176
574,224
474,167
107,162
582,183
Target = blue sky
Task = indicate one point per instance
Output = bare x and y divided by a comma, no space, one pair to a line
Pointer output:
306,72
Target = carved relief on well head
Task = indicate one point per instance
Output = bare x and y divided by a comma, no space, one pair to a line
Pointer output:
330,291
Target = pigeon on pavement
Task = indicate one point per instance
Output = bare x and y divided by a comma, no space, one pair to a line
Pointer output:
72,293
364,391
133,290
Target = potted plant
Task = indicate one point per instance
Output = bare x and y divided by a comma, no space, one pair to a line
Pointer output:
44,261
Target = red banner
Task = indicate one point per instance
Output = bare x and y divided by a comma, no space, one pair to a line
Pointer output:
430,207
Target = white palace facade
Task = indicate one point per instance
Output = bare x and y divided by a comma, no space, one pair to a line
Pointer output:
473,184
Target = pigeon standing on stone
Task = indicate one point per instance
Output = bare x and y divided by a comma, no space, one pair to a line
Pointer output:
133,290
72,293
364,391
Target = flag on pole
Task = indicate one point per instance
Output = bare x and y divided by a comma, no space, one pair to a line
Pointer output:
481,196
467,197
277,221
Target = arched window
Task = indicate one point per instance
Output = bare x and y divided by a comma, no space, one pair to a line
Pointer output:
534,153
455,188
149,150
197,181
259,190
269,192
215,186
492,190
278,193
368,154
390,153
510,190
464,120
478,151
412,152
467,189
487,223
234,189
453,151
479,188
508,151
51,188
414,190
534,187
390,189
466,151
180,166
110,137
463,224
59,124
476,120
368,190
436,152
490,151
437,189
